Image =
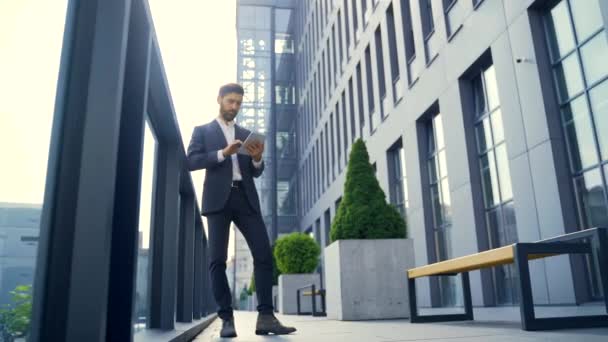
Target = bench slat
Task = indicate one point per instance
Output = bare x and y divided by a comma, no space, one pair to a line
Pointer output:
493,257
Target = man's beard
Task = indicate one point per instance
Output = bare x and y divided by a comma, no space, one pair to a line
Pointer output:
228,115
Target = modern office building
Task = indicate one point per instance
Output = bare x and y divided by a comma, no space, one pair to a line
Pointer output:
266,65
485,121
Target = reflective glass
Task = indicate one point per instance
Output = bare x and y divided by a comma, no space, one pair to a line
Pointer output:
594,55
569,77
497,128
491,88
599,106
489,179
502,161
484,135
579,134
587,17
592,199
438,125
562,37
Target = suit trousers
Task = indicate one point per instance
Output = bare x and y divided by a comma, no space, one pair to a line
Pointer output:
250,223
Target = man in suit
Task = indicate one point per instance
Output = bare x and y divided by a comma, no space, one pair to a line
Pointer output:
229,195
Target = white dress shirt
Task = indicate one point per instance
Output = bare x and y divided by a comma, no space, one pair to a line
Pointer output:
228,130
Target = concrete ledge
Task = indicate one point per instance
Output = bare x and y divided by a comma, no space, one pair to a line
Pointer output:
183,332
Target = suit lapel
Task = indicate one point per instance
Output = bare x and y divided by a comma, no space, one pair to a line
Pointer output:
219,133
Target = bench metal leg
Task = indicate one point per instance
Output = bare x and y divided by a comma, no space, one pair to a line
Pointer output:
529,322
298,301
313,298
468,304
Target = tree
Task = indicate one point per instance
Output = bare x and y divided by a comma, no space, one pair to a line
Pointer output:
297,253
363,211
15,317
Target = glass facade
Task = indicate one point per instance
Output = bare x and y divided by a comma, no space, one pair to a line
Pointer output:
495,178
441,206
578,47
397,178
266,60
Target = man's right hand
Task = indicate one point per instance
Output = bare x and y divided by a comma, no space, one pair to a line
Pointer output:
232,148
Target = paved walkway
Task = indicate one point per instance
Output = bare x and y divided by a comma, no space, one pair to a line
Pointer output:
320,329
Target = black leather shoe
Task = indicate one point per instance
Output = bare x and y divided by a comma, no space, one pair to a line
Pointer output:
228,329
268,324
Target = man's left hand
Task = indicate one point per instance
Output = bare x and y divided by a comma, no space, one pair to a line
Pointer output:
256,150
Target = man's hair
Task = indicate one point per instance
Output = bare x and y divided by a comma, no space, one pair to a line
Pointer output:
231,88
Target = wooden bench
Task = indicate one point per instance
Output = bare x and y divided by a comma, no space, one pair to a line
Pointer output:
312,293
591,241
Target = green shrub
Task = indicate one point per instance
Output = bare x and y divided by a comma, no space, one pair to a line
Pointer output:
275,269
363,211
297,253
15,317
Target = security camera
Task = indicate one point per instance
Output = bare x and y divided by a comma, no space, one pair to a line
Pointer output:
520,60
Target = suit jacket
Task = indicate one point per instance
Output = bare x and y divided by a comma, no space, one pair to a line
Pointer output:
202,154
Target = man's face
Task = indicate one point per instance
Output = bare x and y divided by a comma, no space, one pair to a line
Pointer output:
230,105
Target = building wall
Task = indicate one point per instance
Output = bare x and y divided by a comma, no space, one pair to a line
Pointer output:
506,31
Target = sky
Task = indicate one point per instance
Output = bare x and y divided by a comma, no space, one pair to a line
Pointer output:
198,46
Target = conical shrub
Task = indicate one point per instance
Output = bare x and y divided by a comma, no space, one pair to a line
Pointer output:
363,211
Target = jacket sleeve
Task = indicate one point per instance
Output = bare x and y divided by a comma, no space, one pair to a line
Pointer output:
198,157
257,171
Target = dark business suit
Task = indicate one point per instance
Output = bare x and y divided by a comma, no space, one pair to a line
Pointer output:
224,203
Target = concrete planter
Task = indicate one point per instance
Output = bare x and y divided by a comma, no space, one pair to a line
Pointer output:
366,279
252,303
288,285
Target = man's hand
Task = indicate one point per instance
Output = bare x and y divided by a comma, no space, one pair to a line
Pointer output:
256,150
232,148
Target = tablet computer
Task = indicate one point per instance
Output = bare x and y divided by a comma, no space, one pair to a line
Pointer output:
253,137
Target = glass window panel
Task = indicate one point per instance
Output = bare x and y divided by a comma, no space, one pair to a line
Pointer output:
587,17
599,107
560,30
484,135
31,34
479,96
579,134
508,211
489,180
495,229
442,243
502,161
569,77
436,204
446,201
594,55
491,88
145,214
591,196
438,124
433,170
402,161
431,138
443,165
497,129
